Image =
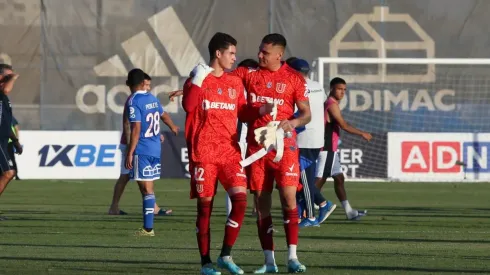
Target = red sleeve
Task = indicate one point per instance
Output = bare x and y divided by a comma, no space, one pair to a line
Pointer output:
300,90
190,98
240,72
246,113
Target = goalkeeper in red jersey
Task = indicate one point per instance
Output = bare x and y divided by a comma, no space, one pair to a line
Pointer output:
213,101
272,149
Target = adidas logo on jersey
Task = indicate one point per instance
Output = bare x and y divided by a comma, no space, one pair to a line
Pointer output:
140,51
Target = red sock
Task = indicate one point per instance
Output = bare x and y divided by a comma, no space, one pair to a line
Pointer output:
202,229
235,219
264,227
291,226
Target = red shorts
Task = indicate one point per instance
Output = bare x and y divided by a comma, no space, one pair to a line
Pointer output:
264,171
204,178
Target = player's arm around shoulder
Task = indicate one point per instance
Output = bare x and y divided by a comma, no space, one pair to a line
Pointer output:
240,72
300,96
335,113
189,102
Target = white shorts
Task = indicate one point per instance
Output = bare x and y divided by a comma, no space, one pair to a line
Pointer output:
328,165
122,148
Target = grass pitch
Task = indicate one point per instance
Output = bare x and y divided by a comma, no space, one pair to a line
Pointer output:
61,227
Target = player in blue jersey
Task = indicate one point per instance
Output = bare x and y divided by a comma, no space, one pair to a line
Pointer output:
143,155
124,175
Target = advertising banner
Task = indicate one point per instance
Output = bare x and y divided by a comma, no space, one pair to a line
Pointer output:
438,156
69,155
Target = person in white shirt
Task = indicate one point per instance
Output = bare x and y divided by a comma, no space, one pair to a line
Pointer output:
310,141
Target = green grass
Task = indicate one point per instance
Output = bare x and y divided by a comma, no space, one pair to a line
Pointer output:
61,227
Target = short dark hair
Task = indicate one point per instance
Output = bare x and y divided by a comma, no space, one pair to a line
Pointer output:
290,60
4,67
337,80
147,77
250,63
220,41
135,77
275,39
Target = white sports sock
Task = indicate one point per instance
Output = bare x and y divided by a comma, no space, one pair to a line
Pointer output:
346,206
228,204
292,252
269,257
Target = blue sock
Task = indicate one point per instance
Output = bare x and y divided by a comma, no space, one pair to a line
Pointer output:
148,211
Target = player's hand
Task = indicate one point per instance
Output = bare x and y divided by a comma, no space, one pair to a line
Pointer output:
172,95
18,148
266,109
200,72
175,130
129,162
367,136
287,126
162,138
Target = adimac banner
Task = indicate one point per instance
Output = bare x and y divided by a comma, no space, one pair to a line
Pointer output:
438,156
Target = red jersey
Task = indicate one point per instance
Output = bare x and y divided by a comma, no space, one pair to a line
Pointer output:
285,87
123,137
212,114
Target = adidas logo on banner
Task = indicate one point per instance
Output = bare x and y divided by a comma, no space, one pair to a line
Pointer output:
142,53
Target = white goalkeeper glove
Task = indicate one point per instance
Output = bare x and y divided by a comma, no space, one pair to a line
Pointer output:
199,74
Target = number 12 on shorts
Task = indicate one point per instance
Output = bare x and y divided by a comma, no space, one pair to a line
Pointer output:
199,174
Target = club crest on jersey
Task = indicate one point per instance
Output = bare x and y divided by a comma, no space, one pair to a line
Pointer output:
220,91
232,93
269,85
280,87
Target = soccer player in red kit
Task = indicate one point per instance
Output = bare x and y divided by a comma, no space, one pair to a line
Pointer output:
213,104
276,82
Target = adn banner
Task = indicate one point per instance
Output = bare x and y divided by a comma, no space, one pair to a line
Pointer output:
438,156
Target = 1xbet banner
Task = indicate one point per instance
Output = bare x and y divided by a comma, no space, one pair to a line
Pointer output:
69,155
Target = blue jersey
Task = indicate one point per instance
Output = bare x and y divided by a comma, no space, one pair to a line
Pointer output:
145,108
